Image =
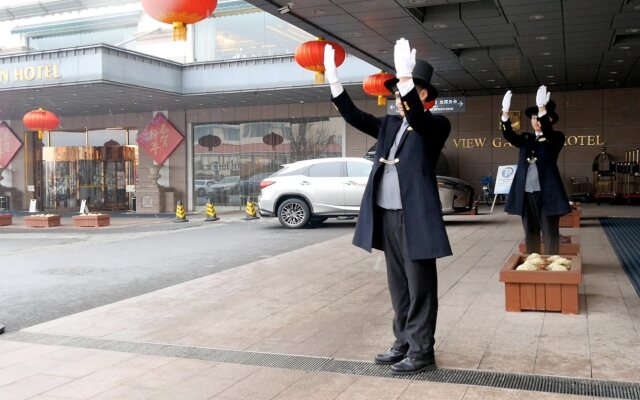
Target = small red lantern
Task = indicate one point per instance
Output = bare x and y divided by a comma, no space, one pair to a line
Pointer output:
310,55
429,104
40,120
374,85
179,13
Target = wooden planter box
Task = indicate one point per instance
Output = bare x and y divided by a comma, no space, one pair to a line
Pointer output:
6,219
42,221
541,290
91,221
571,220
568,245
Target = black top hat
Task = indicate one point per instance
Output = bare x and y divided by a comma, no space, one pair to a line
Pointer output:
551,111
421,76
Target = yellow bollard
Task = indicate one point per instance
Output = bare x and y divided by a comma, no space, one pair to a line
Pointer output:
181,213
211,212
250,210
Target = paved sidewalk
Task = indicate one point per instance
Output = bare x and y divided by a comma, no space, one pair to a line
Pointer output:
259,331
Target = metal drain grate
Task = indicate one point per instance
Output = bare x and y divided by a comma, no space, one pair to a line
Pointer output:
503,380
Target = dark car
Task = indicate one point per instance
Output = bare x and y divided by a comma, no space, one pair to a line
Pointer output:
456,195
251,185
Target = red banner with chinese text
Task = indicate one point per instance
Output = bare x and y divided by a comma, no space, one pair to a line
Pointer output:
9,145
159,139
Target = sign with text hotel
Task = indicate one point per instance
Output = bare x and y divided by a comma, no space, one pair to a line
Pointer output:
43,72
482,142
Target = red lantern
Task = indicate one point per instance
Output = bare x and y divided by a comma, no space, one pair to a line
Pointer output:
429,104
40,120
179,13
374,85
310,55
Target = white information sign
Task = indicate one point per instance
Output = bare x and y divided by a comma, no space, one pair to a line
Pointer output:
33,206
83,207
504,178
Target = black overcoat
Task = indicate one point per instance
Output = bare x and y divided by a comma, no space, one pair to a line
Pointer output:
418,153
545,151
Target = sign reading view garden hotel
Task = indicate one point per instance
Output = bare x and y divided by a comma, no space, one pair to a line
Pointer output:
33,73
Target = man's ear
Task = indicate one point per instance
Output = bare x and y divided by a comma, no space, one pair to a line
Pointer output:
424,93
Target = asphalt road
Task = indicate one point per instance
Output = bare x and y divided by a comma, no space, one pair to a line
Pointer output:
53,273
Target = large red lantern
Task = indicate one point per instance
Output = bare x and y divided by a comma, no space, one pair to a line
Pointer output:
179,13
40,120
310,55
374,86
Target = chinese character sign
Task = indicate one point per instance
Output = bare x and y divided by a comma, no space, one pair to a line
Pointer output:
9,145
159,139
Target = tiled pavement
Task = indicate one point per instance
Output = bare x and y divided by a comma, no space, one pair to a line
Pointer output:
331,300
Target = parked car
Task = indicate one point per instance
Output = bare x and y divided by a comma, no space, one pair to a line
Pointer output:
251,185
203,186
226,184
314,190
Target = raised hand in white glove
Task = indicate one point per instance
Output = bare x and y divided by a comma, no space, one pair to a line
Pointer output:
542,97
506,102
330,69
404,58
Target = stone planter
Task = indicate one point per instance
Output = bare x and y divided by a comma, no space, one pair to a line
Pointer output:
541,290
42,221
569,245
571,220
91,221
6,219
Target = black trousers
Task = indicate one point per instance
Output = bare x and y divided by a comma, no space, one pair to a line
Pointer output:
413,285
535,221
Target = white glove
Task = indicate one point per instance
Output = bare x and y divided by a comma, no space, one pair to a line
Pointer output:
404,58
506,102
331,71
542,97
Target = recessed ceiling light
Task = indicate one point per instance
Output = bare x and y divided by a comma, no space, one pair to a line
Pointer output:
482,70
545,53
457,44
123,109
436,83
536,17
354,34
383,51
491,80
552,83
177,100
472,59
548,65
416,1
106,99
632,30
550,76
541,38
318,12
609,80
613,72
619,61
636,8
149,95
440,26
624,47
497,86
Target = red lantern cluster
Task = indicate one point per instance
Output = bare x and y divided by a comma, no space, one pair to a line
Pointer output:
40,120
310,55
179,13
374,86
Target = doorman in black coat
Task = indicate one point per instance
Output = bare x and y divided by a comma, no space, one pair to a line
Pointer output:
400,211
537,193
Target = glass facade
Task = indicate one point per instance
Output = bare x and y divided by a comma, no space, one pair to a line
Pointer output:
230,160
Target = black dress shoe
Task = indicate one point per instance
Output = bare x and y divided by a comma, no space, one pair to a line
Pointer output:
413,366
390,356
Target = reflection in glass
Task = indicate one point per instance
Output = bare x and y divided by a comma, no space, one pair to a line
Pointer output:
247,153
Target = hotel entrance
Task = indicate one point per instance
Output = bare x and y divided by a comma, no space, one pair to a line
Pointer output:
99,174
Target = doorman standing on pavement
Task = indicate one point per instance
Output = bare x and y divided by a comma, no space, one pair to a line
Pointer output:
537,193
400,211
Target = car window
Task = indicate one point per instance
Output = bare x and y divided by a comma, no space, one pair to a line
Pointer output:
358,169
325,170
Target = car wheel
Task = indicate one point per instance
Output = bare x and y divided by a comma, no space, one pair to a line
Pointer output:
294,213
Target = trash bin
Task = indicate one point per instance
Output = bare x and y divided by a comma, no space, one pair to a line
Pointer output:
4,203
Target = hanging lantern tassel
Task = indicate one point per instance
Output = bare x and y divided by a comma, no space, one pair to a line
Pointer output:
374,86
179,31
40,135
310,55
179,13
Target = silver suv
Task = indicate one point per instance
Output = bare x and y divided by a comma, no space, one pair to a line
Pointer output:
314,190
